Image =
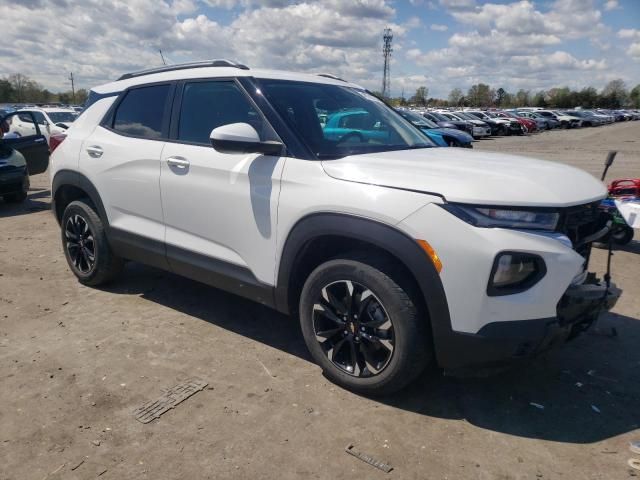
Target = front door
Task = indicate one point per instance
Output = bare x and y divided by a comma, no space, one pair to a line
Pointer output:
28,140
220,209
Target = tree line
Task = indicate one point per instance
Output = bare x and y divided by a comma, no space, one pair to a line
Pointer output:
19,88
614,95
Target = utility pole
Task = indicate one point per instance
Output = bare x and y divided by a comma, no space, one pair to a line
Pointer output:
162,56
387,38
73,88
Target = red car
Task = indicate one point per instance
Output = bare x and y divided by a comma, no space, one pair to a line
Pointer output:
527,123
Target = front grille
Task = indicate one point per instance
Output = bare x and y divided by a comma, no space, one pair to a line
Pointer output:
579,222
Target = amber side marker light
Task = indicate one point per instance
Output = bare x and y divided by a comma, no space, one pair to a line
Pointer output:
431,253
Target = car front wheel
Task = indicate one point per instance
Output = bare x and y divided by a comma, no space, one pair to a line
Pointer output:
85,245
363,325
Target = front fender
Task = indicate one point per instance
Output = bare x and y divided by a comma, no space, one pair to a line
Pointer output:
383,236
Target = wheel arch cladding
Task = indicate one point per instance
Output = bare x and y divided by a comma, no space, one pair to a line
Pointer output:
68,186
341,232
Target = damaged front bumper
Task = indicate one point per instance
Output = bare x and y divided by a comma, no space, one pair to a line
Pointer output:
501,343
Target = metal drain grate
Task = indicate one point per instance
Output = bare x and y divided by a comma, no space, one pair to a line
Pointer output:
168,400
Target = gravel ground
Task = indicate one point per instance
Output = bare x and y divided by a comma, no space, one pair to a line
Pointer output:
75,362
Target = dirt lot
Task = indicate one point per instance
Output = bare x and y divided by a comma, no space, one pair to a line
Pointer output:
75,362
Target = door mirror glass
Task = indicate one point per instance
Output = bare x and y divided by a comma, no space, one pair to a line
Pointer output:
242,138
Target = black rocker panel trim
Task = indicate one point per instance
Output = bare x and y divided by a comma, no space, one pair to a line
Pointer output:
201,268
138,248
219,274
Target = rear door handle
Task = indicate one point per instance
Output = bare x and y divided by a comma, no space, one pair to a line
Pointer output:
95,151
178,162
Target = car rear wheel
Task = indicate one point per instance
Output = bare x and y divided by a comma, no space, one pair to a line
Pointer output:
362,327
86,247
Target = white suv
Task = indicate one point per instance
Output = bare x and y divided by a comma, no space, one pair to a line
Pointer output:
393,254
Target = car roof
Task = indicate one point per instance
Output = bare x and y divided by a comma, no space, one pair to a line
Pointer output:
46,109
180,73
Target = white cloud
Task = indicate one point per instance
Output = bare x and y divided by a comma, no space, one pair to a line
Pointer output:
634,50
519,44
457,4
611,5
629,33
439,28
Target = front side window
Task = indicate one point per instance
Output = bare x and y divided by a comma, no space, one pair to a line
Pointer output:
335,121
141,112
37,115
208,105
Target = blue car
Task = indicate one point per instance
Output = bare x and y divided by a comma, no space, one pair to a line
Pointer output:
443,137
359,124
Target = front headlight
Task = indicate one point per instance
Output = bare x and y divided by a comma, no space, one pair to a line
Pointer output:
505,217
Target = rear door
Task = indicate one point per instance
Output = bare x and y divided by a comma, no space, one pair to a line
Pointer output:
121,157
29,140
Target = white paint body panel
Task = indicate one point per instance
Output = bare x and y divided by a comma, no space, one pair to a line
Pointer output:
67,155
467,254
224,206
127,177
485,178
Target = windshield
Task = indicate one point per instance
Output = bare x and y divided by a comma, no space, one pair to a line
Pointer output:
441,117
465,116
417,119
57,117
479,115
335,121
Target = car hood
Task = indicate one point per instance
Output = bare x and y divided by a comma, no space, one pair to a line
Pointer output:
464,176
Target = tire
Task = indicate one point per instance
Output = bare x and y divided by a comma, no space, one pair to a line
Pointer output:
85,245
15,197
386,359
623,235
452,142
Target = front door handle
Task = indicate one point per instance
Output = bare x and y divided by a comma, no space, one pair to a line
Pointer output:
95,151
178,162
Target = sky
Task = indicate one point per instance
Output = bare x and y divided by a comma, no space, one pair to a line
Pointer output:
440,44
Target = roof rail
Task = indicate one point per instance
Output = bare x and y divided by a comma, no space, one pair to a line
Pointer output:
183,66
333,77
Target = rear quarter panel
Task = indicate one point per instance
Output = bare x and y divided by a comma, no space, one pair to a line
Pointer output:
67,155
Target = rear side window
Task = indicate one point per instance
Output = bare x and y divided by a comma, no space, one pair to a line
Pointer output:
141,112
208,105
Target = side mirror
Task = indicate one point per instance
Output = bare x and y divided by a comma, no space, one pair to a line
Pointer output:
242,138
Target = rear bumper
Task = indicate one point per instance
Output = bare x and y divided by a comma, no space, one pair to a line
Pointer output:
481,132
501,343
13,180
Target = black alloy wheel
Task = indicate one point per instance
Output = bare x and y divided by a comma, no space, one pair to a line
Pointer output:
353,328
85,244
80,244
